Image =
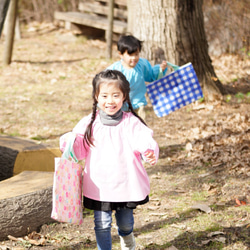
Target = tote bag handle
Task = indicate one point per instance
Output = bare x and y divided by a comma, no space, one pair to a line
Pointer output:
175,67
68,151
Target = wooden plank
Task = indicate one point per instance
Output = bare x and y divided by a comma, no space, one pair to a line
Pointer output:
90,20
118,2
100,9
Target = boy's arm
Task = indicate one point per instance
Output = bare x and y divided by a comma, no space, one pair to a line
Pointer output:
153,73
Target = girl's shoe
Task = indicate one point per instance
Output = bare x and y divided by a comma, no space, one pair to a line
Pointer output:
128,242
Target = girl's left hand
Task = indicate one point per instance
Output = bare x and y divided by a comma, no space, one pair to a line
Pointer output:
150,157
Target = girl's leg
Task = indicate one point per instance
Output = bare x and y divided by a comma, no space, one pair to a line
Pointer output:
103,220
125,223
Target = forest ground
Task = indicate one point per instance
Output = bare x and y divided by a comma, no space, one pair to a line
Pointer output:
200,188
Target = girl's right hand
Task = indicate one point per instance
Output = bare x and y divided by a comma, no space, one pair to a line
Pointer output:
150,157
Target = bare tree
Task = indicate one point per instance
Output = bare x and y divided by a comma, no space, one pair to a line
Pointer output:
174,30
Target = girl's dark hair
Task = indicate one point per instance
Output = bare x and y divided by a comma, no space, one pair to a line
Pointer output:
129,43
123,84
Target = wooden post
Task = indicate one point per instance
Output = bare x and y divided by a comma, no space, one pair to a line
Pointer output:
11,22
109,35
3,11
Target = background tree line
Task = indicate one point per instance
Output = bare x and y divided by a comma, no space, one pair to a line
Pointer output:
227,22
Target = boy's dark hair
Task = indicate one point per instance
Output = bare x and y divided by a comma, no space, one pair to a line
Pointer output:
129,43
105,76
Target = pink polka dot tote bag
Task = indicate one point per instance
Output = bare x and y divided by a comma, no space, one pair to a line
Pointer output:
67,189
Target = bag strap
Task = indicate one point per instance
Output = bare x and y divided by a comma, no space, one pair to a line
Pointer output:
68,151
175,67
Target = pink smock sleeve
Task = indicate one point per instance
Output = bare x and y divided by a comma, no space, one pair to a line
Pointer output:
64,139
143,138
76,137
79,150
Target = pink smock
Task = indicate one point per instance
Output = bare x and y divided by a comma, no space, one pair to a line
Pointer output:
113,169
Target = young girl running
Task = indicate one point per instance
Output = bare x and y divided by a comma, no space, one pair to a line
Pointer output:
113,143
137,70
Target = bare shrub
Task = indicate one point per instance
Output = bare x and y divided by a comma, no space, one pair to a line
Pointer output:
43,10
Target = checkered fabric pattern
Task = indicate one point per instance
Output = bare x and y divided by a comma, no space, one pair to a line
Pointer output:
175,90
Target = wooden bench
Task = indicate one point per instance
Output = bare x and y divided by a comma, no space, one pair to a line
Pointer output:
93,14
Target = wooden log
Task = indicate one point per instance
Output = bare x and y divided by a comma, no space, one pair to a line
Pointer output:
18,155
7,162
25,203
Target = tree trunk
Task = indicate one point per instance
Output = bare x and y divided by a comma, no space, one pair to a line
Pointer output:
173,30
25,203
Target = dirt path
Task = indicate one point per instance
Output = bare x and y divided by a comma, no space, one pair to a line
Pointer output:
204,157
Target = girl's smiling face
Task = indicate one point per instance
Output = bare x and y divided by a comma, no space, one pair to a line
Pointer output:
110,98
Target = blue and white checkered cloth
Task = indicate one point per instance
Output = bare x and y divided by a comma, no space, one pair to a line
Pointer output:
175,90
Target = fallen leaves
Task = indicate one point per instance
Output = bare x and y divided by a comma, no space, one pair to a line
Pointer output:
224,142
217,238
33,238
227,67
240,203
202,207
